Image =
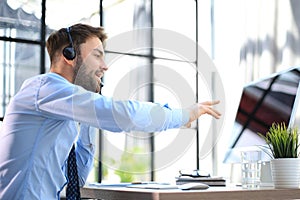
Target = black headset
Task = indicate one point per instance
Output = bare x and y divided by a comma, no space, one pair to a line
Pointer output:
69,51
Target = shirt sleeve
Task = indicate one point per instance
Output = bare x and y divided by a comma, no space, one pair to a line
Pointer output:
147,116
71,102
85,151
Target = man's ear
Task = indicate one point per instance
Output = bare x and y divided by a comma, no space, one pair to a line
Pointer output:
69,62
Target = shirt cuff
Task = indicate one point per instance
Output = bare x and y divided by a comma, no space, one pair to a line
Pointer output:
180,117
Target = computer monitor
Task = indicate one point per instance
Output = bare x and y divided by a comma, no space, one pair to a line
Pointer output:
272,99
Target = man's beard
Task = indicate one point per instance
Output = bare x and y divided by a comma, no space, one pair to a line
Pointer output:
81,76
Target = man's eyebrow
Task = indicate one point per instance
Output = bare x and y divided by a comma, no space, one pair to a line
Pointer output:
99,51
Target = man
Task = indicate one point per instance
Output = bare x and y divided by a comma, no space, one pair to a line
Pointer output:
40,124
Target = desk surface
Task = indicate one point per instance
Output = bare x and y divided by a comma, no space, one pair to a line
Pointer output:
224,193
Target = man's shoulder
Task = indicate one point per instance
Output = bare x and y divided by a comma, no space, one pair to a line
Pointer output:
47,77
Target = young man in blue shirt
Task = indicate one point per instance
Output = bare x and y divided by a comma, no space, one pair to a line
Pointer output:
41,122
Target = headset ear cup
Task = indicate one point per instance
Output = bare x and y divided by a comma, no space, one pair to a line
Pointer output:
69,53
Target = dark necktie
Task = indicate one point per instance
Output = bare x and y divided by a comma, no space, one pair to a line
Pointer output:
73,191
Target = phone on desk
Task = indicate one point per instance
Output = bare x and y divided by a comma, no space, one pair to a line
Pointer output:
193,173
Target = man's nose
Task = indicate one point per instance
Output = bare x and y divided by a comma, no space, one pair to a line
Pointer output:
105,67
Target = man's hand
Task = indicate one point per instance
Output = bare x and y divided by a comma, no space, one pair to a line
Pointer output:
199,109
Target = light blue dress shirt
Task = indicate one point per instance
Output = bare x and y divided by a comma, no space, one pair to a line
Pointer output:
41,125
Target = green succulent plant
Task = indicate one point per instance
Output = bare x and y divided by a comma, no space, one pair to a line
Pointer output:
282,141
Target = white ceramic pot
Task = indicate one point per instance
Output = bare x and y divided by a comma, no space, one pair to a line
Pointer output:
286,172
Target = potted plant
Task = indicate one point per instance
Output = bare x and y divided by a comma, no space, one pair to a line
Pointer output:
283,146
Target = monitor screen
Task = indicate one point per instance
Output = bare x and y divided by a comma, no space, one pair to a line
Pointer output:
272,99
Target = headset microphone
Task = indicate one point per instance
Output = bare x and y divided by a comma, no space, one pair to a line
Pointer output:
101,86
69,51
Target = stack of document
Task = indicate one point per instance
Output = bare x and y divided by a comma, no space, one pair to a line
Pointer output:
211,181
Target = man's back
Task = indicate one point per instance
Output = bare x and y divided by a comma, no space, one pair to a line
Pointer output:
33,147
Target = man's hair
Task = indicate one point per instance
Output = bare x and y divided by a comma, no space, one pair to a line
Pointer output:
58,40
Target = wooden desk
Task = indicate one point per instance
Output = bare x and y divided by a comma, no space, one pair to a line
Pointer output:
224,193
